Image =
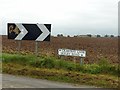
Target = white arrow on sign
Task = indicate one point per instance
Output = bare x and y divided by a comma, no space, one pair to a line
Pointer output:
45,32
22,33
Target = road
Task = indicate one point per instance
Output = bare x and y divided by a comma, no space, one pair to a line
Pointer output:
10,81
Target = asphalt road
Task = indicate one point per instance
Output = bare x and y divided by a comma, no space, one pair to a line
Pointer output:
10,81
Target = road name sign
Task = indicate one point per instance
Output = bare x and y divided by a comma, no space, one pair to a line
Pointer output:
69,52
37,32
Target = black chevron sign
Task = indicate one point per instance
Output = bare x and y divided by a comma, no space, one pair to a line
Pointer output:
37,32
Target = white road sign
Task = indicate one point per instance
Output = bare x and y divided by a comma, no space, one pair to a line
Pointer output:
69,52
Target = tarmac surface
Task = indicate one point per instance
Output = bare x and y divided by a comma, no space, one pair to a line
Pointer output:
11,81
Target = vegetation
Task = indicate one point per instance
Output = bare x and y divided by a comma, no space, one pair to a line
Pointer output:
100,68
103,67
102,74
98,80
96,48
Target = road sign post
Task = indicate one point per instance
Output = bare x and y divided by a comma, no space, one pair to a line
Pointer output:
81,61
19,46
74,60
36,48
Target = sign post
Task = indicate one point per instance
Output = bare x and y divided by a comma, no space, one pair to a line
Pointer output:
36,48
81,61
19,46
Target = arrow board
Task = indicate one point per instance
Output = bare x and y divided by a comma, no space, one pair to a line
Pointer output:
37,32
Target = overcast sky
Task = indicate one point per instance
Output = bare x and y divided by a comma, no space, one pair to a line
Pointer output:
69,17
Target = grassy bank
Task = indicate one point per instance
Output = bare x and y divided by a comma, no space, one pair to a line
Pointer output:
105,81
101,75
103,67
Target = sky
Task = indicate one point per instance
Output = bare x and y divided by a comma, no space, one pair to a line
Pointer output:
68,17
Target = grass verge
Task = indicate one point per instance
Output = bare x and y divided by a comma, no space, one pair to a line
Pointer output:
58,70
103,67
105,81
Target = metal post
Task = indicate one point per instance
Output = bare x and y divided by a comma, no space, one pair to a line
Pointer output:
19,46
74,60
81,61
36,48
75,63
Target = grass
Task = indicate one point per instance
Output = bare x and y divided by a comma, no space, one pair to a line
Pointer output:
98,80
103,67
102,74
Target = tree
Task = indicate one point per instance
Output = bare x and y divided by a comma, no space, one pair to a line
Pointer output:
98,36
111,35
106,35
60,35
89,35
68,35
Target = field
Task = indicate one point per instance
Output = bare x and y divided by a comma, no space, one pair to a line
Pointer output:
96,48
